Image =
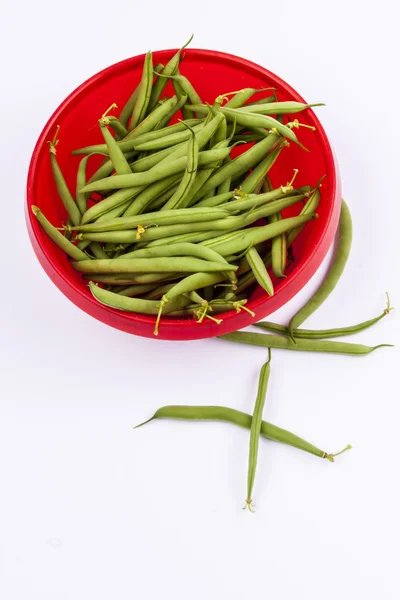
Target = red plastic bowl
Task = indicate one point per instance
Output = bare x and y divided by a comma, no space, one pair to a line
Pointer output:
212,73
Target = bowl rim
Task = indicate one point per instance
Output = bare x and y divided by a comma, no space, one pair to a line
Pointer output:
180,328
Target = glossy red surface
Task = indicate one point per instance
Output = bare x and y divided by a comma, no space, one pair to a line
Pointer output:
212,73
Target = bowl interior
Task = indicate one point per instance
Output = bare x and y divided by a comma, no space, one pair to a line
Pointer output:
211,73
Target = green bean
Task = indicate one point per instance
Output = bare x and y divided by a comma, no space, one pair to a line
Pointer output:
151,121
225,186
255,428
301,345
120,163
62,188
124,145
180,93
187,181
242,96
266,100
309,207
117,127
192,237
220,134
258,174
246,138
240,419
319,334
148,194
217,200
129,236
231,243
254,120
263,121
128,144
334,274
137,290
164,131
131,278
278,108
183,249
240,165
208,293
144,92
245,281
167,217
81,199
107,167
260,272
116,199
154,158
168,140
170,69
57,237
97,250
127,110
136,305
83,244
158,292
151,265
253,200
278,249
158,172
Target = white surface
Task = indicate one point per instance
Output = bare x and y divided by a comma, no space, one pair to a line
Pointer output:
90,508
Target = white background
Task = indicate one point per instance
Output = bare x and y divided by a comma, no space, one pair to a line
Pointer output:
90,508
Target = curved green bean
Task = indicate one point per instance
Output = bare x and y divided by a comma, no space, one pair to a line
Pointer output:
117,199
144,92
178,198
167,141
278,249
166,217
151,265
319,334
117,157
170,69
57,237
62,188
301,345
278,108
334,274
136,305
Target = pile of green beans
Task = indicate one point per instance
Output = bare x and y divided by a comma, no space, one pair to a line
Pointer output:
162,225
174,186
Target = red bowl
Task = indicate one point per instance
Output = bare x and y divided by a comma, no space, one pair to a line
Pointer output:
212,73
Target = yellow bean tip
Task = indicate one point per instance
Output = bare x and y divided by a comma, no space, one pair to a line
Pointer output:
249,505
34,209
